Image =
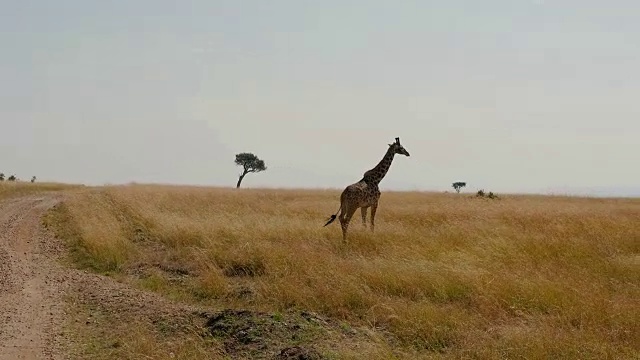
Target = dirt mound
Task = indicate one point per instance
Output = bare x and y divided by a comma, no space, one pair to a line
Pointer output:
263,335
298,353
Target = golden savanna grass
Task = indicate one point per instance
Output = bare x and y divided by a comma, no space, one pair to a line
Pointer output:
443,276
10,189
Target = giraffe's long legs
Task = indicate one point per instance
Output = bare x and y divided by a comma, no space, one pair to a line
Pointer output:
374,207
345,217
363,211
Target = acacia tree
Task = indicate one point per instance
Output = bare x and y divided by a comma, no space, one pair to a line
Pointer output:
250,164
459,185
33,179
1,176
12,178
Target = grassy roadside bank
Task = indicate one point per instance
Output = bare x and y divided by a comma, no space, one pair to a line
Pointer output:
444,276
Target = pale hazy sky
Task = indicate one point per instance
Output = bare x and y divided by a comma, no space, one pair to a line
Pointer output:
507,95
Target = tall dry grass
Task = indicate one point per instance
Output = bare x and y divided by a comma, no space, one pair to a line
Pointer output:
11,189
443,276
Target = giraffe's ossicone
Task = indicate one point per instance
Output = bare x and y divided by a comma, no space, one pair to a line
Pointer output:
365,193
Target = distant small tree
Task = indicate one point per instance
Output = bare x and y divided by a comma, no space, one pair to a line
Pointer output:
33,179
12,178
459,185
480,193
250,164
1,176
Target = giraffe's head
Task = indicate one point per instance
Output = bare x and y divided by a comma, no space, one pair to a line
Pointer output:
398,149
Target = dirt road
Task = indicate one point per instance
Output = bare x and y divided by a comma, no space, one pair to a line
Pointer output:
30,284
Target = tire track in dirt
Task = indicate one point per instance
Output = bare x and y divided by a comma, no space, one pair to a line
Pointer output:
30,293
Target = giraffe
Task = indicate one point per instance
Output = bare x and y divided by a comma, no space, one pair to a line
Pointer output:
365,193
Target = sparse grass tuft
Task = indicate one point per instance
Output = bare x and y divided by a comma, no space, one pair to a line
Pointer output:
443,276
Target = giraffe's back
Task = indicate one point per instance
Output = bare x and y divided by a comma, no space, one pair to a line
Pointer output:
360,194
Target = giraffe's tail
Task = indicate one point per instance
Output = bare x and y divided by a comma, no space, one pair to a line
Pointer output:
333,217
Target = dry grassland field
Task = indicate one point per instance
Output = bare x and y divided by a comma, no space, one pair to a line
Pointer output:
444,276
10,189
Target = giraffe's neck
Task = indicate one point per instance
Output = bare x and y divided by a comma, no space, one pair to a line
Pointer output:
375,175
